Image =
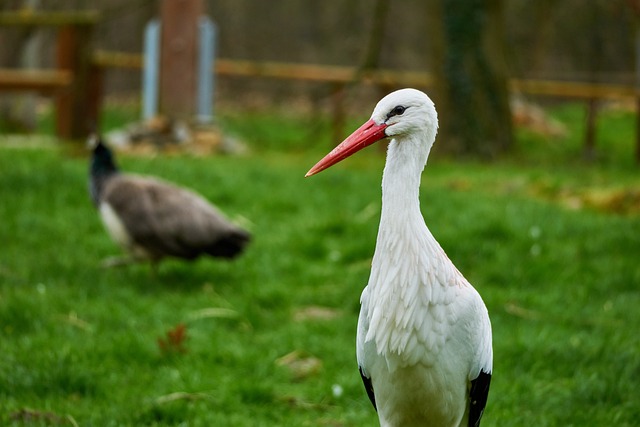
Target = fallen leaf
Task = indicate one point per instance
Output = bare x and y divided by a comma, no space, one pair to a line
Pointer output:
315,312
299,364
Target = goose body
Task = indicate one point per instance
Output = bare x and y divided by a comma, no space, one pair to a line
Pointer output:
423,345
152,219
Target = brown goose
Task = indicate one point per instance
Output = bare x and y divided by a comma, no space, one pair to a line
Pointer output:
152,219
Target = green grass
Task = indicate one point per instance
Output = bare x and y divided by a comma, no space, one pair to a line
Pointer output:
558,270
615,139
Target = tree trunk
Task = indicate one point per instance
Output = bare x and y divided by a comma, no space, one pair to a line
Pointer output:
470,69
371,57
179,57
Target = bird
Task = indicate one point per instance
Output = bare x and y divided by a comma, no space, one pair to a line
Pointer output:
424,340
152,219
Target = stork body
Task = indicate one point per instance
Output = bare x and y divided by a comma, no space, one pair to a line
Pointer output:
152,219
424,337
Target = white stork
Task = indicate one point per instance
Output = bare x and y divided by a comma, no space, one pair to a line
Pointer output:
424,336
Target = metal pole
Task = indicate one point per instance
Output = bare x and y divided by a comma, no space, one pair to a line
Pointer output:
206,77
151,70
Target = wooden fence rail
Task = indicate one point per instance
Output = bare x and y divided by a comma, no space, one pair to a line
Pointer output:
345,75
46,82
564,89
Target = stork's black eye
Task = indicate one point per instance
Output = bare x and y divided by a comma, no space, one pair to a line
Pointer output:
397,111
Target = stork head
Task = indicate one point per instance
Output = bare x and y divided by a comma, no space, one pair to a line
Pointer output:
401,113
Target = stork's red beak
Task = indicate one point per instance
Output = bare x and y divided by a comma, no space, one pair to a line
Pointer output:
364,136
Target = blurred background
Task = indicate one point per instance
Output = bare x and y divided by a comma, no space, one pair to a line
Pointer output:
476,59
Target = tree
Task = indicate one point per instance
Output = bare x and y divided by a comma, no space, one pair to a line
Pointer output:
470,71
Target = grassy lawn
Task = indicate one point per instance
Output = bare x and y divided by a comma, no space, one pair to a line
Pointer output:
552,244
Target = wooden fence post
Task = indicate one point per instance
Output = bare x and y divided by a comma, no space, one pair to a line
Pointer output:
74,54
338,113
638,130
590,131
95,94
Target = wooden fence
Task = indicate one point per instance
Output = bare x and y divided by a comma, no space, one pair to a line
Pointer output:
339,77
73,83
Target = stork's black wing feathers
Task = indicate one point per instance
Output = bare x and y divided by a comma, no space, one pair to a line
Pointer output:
368,386
478,397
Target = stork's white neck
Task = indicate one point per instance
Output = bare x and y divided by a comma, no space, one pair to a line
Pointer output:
404,244
406,158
